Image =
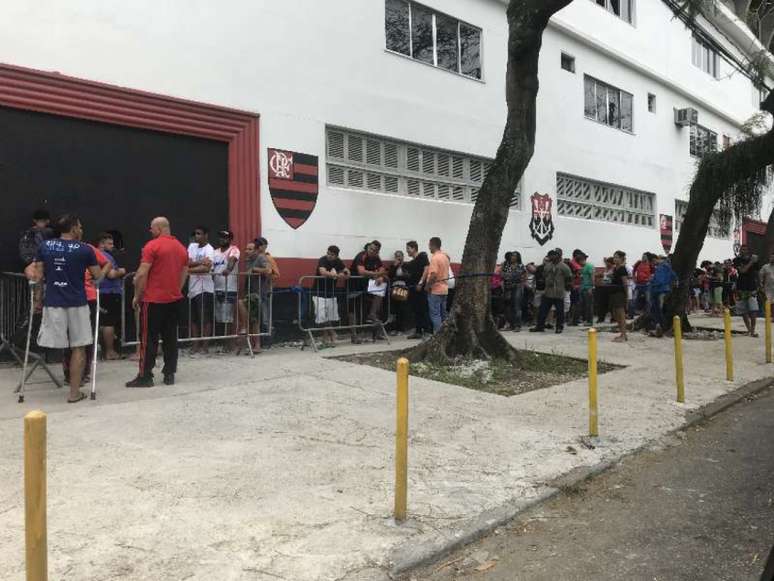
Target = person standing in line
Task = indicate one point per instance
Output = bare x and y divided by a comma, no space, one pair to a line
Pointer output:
513,275
61,262
399,276
619,288
586,289
643,273
417,268
767,279
255,308
225,272
330,270
33,237
661,285
201,288
110,292
558,278
748,268
158,286
437,283
575,302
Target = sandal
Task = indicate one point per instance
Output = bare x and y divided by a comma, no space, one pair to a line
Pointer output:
81,397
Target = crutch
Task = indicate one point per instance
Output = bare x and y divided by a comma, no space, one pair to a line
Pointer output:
29,338
96,345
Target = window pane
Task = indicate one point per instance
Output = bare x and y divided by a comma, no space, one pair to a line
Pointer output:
590,108
446,42
627,112
614,107
626,10
601,103
615,7
696,52
470,42
422,33
396,24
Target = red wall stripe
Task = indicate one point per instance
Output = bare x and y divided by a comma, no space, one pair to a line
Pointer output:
293,186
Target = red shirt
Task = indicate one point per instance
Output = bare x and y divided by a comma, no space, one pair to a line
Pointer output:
91,291
643,272
167,258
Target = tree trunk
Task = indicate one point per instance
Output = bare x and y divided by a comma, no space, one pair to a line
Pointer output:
470,330
717,173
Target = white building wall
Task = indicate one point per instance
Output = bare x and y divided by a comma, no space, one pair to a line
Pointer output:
303,64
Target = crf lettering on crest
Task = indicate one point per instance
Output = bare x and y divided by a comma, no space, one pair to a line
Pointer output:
281,165
541,226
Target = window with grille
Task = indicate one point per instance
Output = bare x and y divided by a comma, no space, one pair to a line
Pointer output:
433,38
715,228
703,141
578,197
606,104
623,9
369,163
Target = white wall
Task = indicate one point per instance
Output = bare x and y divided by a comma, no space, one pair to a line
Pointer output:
303,64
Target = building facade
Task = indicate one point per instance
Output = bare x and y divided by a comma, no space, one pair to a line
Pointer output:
402,103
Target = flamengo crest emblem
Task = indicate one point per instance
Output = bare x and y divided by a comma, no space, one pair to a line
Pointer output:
541,226
293,185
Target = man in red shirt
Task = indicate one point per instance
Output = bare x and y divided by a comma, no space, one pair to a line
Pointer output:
157,293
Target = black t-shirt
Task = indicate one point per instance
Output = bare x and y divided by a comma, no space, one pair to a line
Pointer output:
416,268
616,282
747,281
540,278
368,262
327,286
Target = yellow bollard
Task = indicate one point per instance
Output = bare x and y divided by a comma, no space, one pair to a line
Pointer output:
767,312
729,347
593,411
401,442
35,495
677,328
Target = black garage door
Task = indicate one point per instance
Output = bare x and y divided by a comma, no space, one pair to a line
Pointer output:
115,178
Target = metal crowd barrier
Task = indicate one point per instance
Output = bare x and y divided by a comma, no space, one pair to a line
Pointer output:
327,305
232,311
15,319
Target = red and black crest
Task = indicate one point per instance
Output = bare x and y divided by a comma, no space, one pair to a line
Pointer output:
541,226
293,184
665,226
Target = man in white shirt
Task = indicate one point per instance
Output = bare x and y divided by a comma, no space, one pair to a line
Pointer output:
225,268
200,287
767,279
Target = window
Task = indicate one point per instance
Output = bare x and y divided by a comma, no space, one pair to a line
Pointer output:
433,38
715,228
365,162
608,105
568,62
578,197
624,9
704,56
726,142
703,141
651,103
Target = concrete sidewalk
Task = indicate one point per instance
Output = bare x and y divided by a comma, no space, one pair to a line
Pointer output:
281,467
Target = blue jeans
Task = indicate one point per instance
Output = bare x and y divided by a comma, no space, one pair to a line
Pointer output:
545,307
657,308
437,306
514,306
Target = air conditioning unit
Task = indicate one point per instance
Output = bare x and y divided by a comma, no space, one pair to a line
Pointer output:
685,117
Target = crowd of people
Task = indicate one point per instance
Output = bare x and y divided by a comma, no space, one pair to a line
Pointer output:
556,292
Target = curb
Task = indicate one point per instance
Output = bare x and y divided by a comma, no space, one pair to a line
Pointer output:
412,555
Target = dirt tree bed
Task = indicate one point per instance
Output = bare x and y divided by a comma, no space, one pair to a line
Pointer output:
540,370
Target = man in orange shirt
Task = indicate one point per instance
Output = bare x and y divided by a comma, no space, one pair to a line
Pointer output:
437,283
158,288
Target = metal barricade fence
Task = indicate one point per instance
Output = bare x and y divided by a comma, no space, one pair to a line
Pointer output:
330,304
15,319
214,308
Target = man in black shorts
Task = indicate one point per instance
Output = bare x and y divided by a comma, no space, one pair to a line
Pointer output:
110,292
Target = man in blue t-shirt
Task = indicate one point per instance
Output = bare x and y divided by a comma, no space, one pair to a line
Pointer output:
62,262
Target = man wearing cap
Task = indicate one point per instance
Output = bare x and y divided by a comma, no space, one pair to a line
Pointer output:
225,269
158,288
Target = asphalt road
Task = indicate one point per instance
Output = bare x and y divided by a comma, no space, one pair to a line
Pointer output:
700,509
